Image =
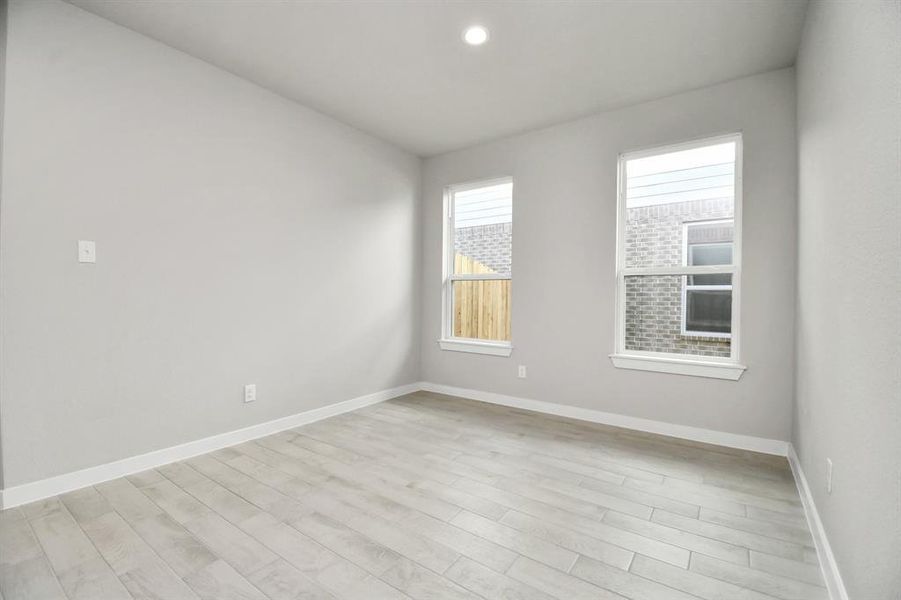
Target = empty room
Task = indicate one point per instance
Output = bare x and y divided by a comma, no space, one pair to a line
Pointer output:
450,299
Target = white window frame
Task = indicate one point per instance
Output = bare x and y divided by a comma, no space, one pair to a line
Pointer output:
713,288
448,341
681,364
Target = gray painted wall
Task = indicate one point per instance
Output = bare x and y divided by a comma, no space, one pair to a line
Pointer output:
564,211
241,239
849,285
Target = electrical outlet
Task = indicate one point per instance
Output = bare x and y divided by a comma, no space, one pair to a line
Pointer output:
829,475
250,392
87,251
522,372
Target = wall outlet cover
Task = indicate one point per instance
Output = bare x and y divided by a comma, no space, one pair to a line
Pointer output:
250,392
87,251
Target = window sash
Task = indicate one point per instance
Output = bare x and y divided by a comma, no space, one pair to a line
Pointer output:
734,269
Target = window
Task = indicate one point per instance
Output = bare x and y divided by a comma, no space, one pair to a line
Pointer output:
478,262
679,259
707,299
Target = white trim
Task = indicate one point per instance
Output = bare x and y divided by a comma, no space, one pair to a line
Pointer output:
669,356
60,484
476,346
737,236
828,564
697,434
679,366
622,272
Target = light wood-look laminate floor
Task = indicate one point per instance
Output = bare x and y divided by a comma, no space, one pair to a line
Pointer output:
427,497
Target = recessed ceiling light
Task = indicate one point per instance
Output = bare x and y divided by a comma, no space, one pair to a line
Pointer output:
475,35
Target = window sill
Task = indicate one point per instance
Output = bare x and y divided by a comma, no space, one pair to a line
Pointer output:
679,366
477,347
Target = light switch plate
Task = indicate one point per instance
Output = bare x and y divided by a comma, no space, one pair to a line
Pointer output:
87,251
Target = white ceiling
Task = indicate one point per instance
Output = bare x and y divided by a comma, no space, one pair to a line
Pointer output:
399,69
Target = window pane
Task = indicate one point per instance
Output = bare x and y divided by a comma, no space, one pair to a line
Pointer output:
666,191
716,279
709,254
708,310
482,309
483,230
654,317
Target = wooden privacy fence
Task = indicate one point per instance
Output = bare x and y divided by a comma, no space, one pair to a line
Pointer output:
481,308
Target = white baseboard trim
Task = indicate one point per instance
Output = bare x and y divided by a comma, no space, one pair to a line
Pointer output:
60,484
697,434
828,565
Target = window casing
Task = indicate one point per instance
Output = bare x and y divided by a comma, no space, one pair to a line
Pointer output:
678,275
477,271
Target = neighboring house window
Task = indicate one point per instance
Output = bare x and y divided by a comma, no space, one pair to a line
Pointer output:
679,258
478,264
707,299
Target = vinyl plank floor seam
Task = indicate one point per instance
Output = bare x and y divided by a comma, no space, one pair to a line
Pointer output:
149,548
791,547
44,558
98,555
192,577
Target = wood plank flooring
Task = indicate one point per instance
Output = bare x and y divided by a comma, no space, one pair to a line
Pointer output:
427,497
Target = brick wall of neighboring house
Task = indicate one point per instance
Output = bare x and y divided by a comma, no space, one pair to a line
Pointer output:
654,303
491,245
